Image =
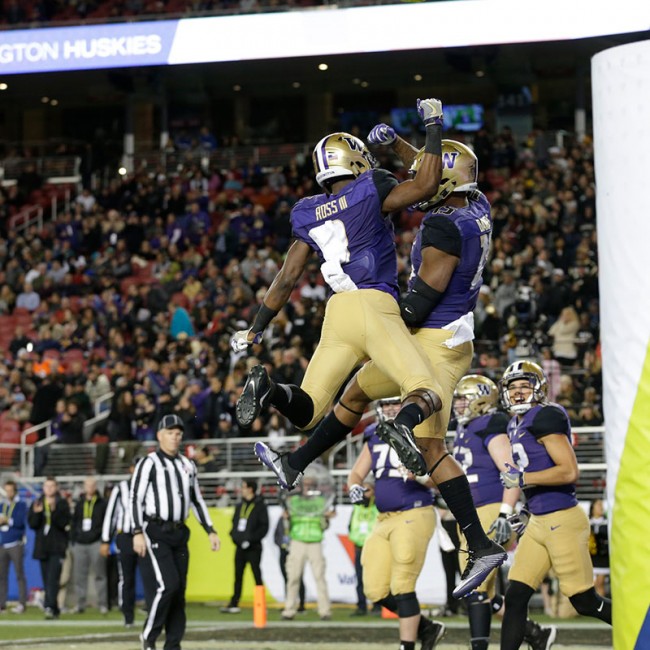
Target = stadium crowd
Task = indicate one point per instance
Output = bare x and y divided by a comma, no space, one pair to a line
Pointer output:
138,288
15,13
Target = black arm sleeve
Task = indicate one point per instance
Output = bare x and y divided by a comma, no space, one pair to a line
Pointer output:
384,183
498,423
550,419
418,303
443,234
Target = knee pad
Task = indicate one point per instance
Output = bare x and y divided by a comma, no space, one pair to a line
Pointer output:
429,398
407,605
476,597
497,603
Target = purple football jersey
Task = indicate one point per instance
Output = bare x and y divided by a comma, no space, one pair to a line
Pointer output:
350,229
471,451
474,223
392,492
531,455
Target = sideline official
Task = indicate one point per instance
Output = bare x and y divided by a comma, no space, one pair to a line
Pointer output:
164,486
117,525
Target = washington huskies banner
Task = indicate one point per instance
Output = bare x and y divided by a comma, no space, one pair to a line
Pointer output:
326,31
621,97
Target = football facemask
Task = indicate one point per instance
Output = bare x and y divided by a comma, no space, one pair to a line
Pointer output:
474,395
459,171
534,375
340,155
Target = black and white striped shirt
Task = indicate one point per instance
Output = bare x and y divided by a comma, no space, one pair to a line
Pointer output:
165,487
118,516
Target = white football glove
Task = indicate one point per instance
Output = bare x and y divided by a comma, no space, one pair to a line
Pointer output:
382,134
513,478
519,521
356,493
239,342
501,528
430,111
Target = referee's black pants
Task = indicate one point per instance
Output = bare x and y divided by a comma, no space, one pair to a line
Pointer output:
243,556
164,574
127,562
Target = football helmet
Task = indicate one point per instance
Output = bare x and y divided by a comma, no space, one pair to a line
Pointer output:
530,371
386,409
474,395
459,171
341,155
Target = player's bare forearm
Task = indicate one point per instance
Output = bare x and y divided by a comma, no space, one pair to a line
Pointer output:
282,286
405,151
558,475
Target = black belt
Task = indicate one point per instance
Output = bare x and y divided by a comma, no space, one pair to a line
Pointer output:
169,525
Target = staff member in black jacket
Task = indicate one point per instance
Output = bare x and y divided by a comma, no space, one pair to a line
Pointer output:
50,517
163,488
117,524
86,533
250,524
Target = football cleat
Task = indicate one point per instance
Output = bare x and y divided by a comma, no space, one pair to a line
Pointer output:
256,392
400,438
431,634
479,565
287,477
538,637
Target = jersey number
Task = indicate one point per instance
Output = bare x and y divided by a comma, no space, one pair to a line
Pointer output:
332,240
485,250
466,458
520,456
387,460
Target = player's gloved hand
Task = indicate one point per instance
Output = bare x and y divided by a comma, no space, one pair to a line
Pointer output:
430,111
501,529
519,521
512,478
240,341
245,545
356,493
382,134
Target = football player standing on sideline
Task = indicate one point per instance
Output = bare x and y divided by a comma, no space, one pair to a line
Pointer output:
448,257
482,448
557,534
163,488
348,227
393,554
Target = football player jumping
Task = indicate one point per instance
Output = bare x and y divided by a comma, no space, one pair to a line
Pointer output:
448,257
557,534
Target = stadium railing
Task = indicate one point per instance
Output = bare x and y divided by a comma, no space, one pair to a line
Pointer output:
110,461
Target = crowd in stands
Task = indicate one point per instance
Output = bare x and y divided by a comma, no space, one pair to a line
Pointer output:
138,288
21,13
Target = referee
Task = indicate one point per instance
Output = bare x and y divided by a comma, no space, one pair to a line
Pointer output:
163,487
117,524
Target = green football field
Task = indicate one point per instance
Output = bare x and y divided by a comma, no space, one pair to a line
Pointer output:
209,629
